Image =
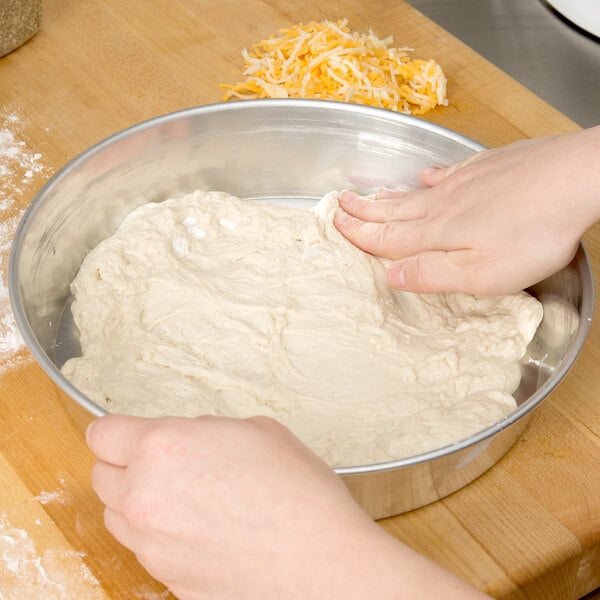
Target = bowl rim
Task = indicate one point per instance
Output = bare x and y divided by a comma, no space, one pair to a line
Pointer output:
581,260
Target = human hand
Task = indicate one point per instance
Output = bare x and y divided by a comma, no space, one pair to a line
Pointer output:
495,223
224,508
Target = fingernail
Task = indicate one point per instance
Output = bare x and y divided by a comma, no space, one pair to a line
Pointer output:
88,430
384,193
340,217
429,170
347,196
396,277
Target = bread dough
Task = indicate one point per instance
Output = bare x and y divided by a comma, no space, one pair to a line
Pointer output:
208,304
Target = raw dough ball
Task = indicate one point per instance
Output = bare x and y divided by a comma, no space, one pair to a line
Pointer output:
209,304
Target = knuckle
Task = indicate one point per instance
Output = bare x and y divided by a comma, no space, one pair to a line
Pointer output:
419,274
397,239
472,273
138,508
110,520
388,235
157,441
472,277
459,177
263,421
358,207
270,427
152,560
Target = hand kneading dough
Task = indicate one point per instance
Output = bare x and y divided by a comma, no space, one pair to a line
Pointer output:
209,304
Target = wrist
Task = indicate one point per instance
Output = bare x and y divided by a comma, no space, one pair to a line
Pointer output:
377,565
578,158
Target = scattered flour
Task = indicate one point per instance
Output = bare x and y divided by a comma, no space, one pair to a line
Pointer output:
18,168
55,574
47,497
147,595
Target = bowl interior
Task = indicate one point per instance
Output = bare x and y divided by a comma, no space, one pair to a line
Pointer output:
289,151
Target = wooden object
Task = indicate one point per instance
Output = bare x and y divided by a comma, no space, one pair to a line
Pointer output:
527,529
19,20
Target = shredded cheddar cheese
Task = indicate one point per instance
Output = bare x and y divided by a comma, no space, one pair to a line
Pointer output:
327,61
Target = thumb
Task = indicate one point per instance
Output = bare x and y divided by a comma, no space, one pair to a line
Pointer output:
430,272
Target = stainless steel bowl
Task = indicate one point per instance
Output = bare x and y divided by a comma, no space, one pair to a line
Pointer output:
290,151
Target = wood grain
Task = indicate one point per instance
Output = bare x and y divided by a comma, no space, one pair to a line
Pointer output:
527,529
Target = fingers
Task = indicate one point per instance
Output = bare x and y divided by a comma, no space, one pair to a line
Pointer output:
120,528
387,193
391,228
431,272
108,482
390,206
113,438
392,239
432,176
456,271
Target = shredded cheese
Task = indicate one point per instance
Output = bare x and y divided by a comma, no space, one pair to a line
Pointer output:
326,60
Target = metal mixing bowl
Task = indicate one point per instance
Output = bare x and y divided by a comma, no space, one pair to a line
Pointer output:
290,151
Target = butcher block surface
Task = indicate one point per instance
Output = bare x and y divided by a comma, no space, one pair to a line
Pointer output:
527,529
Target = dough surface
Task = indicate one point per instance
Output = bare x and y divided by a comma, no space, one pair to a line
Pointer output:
211,305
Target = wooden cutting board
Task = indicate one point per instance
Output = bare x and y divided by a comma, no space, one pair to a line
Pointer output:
529,528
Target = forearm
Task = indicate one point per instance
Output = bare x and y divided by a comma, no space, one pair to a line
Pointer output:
380,566
574,161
